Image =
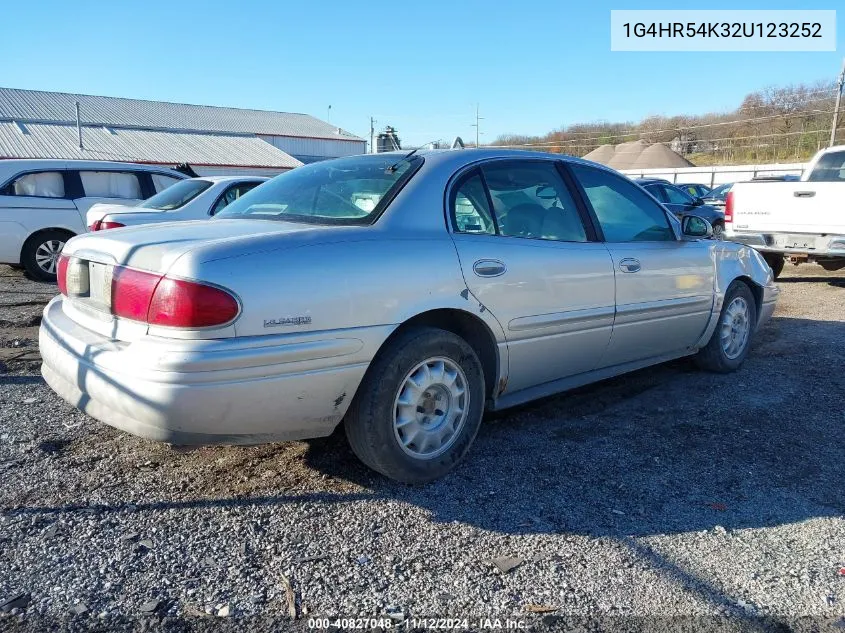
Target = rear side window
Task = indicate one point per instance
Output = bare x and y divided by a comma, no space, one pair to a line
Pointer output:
830,168
43,184
470,209
625,213
110,184
162,182
232,194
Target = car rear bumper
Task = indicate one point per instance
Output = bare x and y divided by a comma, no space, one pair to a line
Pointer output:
812,245
230,391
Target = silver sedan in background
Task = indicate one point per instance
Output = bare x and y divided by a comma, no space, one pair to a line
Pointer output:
400,294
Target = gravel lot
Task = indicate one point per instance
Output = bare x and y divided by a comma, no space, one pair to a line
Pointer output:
664,493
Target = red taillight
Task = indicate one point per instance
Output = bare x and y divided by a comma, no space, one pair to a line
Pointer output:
61,273
131,292
158,300
180,303
102,225
729,207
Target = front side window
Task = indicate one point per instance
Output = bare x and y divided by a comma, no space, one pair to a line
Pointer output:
531,200
162,182
344,191
176,196
657,192
43,184
625,213
110,184
232,194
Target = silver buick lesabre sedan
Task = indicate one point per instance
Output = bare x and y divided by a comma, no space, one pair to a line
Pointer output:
400,294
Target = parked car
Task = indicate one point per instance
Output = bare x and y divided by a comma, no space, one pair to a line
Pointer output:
682,204
716,197
802,221
43,204
192,199
694,189
401,293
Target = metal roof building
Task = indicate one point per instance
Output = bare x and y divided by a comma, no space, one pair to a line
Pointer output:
213,140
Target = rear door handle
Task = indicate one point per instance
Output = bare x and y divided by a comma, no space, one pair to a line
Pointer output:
804,194
489,268
629,265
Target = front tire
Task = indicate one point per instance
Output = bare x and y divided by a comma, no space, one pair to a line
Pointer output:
419,406
728,346
718,231
40,254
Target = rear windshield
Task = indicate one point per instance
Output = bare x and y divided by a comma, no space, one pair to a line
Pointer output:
830,168
177,195
345,191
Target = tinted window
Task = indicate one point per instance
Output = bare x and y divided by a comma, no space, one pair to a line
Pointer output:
831,167
44,184
232,194
676,196
176,196
110,184
531,200
656,191
624,211
344,191
470,208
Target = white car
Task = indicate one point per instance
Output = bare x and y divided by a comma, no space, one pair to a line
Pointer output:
43,204
800,221
192,199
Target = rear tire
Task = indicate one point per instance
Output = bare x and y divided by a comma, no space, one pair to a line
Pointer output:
718,231
776,263
40,254
728,346
419,406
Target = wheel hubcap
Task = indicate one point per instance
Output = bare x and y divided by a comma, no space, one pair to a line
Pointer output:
47,255
430,408
736,326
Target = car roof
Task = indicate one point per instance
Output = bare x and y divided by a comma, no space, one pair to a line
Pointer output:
15,165
653,181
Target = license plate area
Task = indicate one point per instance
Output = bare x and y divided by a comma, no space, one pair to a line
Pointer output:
797,242
89,284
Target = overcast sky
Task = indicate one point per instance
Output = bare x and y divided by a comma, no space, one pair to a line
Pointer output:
532,65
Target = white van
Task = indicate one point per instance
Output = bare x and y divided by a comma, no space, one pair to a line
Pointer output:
44,202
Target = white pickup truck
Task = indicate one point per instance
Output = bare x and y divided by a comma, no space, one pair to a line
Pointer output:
800,221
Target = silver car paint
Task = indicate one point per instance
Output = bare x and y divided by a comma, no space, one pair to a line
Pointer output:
562,314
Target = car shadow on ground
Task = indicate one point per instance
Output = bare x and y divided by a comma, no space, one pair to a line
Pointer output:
831,281
662,450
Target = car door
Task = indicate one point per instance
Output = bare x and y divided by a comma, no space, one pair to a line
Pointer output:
664,285
528,257
31,202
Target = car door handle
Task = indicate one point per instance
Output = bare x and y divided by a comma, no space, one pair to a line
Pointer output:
489,268
804,194
629,265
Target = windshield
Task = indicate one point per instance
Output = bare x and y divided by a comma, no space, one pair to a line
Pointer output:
177,195
719,192
344,191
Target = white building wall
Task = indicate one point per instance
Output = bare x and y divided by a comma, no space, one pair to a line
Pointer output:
316,147
717,174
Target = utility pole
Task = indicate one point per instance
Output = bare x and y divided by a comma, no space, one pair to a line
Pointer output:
372,135
477,125
836,107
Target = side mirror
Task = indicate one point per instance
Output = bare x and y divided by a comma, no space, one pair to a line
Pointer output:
697,202
694,226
